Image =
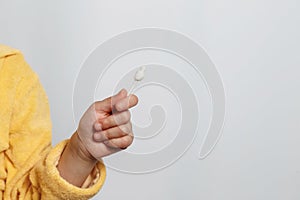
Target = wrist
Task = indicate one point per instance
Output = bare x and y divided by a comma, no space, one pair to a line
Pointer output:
75,163
79,150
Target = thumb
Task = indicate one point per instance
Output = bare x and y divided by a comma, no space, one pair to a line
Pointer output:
108,104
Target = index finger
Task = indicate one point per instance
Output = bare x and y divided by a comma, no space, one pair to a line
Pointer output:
126,103
108,103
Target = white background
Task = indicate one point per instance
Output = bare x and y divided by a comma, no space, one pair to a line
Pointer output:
255,46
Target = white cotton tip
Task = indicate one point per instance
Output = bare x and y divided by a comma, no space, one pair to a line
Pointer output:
140,74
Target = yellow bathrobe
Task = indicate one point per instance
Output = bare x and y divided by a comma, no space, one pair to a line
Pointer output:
27,160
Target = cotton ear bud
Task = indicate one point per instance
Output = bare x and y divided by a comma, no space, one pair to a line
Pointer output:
139,75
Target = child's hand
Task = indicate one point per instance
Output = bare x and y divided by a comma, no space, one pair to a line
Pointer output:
105,128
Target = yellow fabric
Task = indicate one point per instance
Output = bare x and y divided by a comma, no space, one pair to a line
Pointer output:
27,160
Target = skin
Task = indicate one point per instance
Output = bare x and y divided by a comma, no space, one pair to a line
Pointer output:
104,129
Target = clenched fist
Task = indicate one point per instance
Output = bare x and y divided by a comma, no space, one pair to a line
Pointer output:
105,127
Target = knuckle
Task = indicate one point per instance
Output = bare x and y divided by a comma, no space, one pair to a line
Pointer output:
126,141
122,118
129,126
126,116
125,129
106,134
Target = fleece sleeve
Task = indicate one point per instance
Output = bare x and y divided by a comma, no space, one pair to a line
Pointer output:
31,161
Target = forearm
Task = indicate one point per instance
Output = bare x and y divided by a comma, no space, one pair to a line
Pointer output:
74,165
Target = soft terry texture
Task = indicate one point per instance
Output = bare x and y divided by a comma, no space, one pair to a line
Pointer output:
27,160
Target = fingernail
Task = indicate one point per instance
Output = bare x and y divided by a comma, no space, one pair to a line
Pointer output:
123,92
97,136
98,126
